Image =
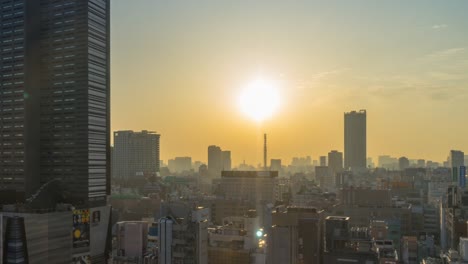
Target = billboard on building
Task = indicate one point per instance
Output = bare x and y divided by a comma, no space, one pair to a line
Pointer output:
81,228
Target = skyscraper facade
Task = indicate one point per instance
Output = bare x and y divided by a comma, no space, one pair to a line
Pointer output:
215,158
355,148
335,164
226,156
54,132
54,81
135,153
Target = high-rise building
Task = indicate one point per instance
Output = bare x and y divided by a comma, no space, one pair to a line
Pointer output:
55,117
355,148
218,160
323,160
226,157
135,153
54,80
456,159
215,161
335,162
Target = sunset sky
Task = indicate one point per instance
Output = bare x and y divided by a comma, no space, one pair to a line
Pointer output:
178,68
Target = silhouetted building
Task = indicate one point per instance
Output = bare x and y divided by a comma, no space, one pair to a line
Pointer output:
355,148
323,161
254,186
180,164
226,157
275,164
455,161
403,163
135,153
215,161
335,163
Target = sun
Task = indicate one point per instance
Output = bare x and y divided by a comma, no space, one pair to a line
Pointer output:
260,99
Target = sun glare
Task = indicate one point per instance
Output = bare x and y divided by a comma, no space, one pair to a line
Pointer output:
260,99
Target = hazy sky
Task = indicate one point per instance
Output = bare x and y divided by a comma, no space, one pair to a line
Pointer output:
178,68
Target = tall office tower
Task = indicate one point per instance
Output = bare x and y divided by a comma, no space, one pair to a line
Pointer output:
335,164
215,159
55,116
323,160
295,236
54,81
226,157
403,163
355,152
456,159
135,153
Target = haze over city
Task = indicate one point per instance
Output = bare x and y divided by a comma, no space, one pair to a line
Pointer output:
179,69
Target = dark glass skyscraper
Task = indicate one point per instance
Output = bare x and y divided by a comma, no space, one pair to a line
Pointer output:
54,99
355,149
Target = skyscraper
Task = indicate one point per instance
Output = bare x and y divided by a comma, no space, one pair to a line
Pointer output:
215,158
218,160
355,152
54,80
55,117
335,164
135,153
226,156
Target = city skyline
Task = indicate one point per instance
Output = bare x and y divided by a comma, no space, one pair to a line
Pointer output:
330,58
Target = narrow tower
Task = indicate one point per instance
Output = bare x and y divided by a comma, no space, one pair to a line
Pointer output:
265,151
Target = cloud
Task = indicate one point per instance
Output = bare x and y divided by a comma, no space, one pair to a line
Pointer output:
443,54
439,26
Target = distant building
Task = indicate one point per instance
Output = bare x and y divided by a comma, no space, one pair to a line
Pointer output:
322,175
135,153
180,164
275,164
253,186
388,162
455,160
335,163
323,160
226,157
355,148
218,160
421,163
403,163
